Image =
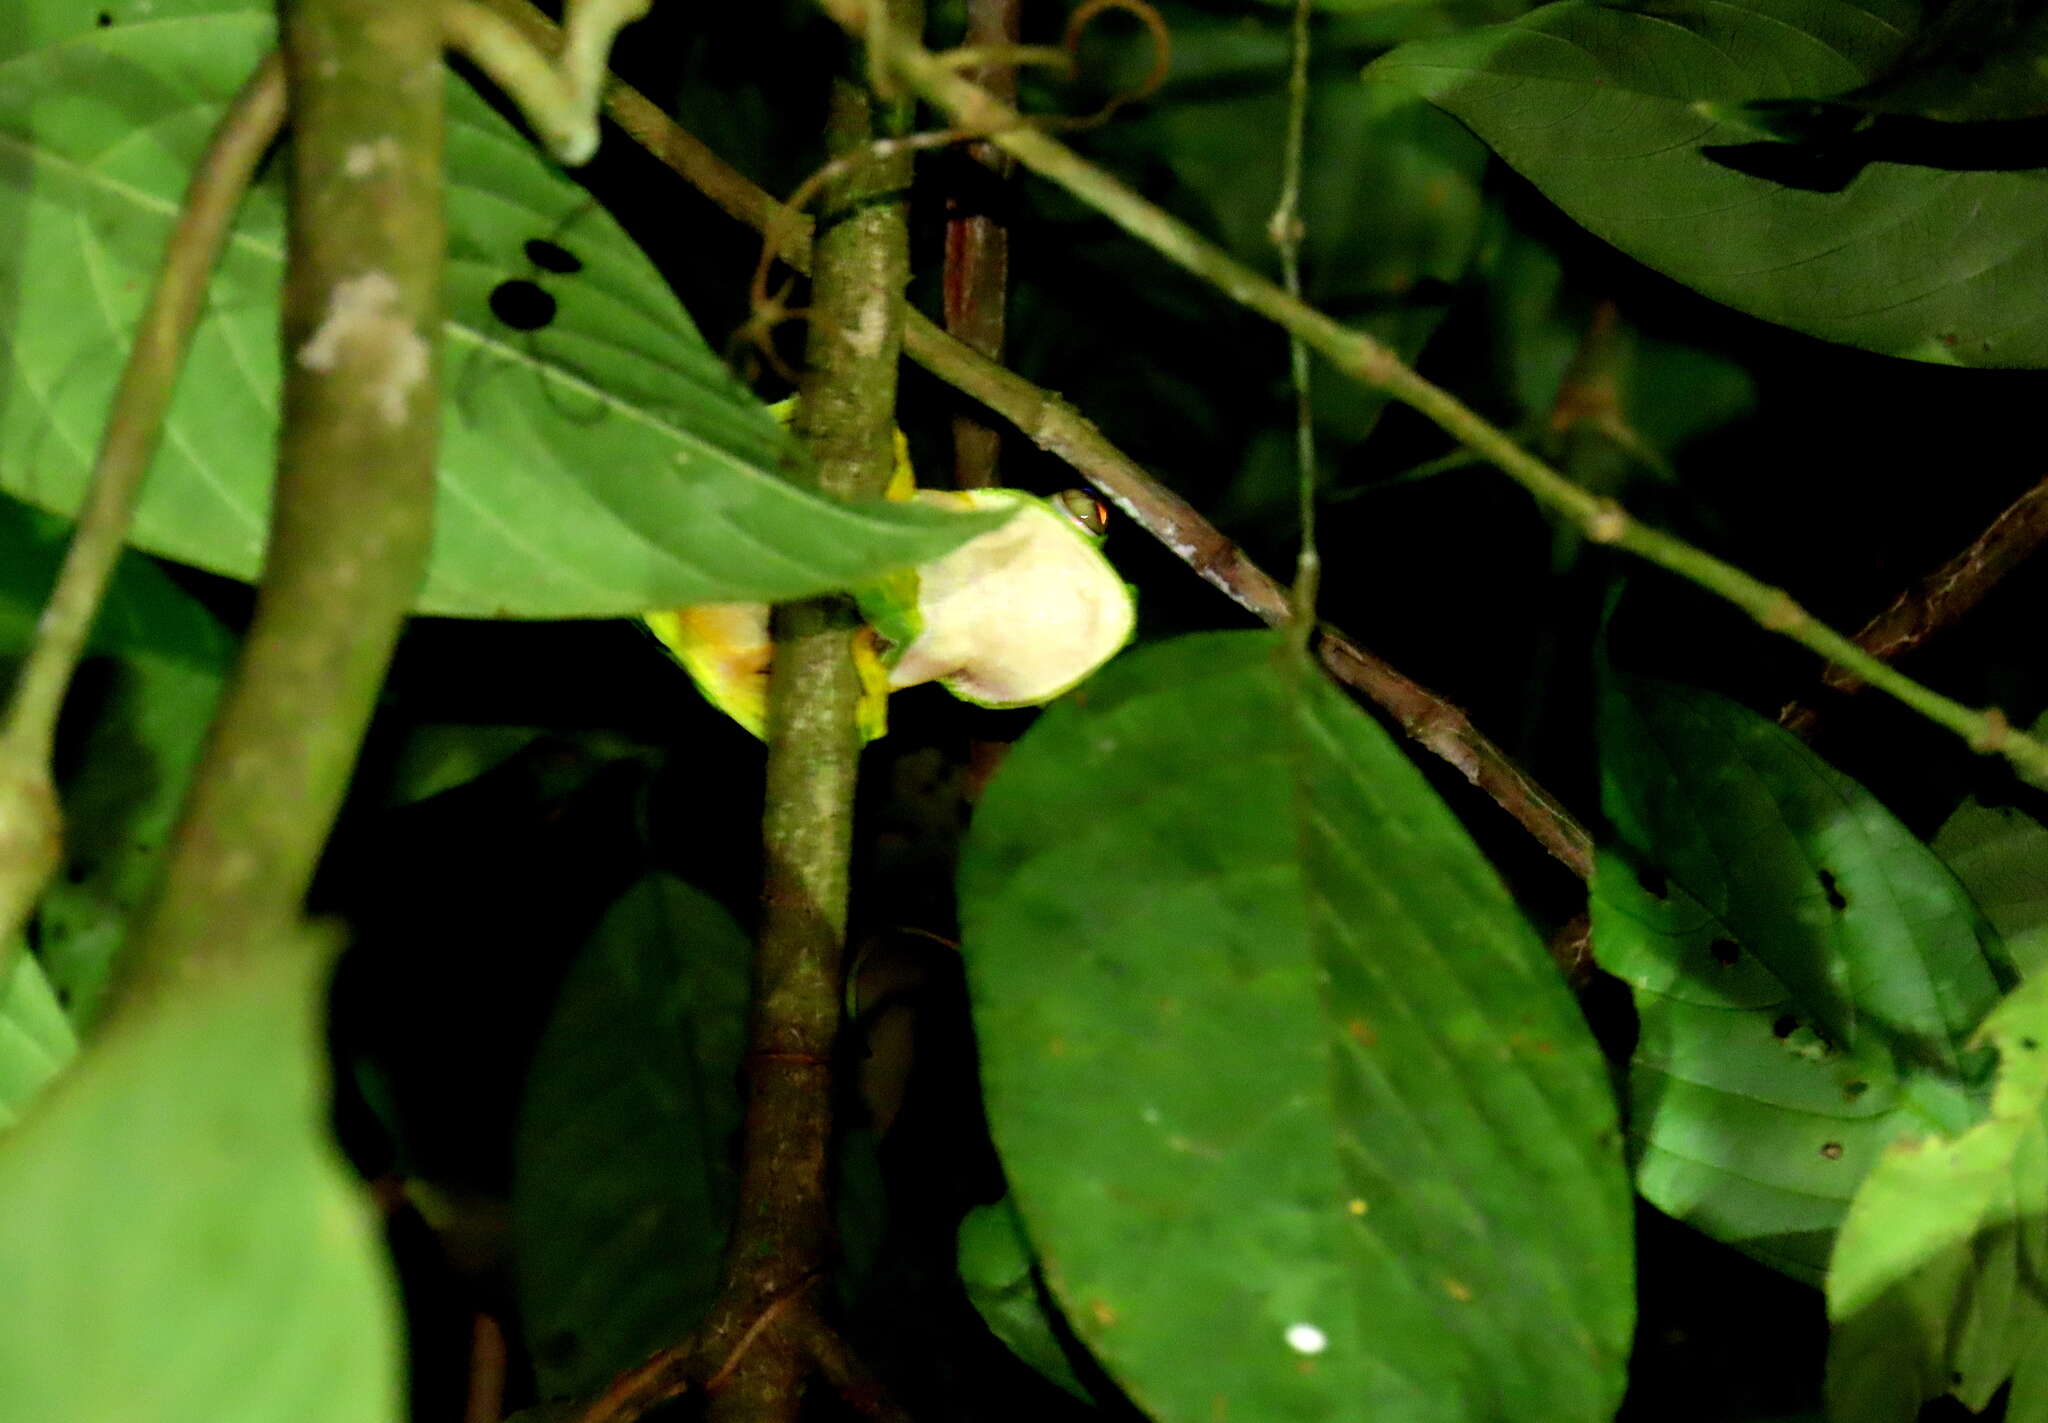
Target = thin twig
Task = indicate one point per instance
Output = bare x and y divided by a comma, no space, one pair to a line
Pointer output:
1287,230
30,833
1372,363
556,88
977,265
1056,427
351,522
485,1402
664,1375
763,1321
850,1377
1942,598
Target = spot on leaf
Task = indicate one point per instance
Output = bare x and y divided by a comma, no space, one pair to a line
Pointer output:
522,305
1836,899
1725,952
552,257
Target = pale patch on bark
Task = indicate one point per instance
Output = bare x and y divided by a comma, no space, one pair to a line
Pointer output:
364,328
364,159
867,335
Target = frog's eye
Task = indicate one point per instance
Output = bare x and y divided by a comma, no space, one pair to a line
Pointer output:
1087,513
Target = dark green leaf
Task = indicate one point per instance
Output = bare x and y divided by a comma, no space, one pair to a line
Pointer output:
624,1183
1805,971
131,738
1935,1287
1608,110
1291,1100
1004,1286
440,756
2000,853
603,465
181,1242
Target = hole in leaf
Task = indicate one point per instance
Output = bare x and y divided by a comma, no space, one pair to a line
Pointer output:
1836,899
1853,1090
1832,1150
522,305
1653,882
1725,952
552,257
2028,1044
104,19
1784,1027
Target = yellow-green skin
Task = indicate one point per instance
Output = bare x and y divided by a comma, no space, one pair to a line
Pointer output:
1013,617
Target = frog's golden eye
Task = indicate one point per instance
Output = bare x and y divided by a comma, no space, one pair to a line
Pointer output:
1088,513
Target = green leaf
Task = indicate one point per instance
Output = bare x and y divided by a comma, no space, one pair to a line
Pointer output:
181,1241
2000,853
605,464
622,1185
439,756
1935,1285
1291,1100
132,732
1007,1290
1607,110
36,1039
1806,973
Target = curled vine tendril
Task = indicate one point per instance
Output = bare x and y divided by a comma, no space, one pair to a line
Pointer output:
770,310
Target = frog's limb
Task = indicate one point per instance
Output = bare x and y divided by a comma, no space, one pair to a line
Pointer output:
727,652
726,648
1011,618
558,96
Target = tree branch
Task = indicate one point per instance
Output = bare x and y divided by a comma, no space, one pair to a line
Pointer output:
782,1237
1940,599
351,523
1370,362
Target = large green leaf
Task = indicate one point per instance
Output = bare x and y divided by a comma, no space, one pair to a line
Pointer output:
1805,971
1607,109
623,1183
2000,853
602,465
1935,1286
181,1242
131,737
1290,1098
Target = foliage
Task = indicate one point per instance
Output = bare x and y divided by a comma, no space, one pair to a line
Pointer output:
1288,1113
548,507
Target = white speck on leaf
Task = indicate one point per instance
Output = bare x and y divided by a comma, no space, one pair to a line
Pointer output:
1306,1339
364,328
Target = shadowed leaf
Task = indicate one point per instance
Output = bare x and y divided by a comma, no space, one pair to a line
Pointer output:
1805,972
624,1182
